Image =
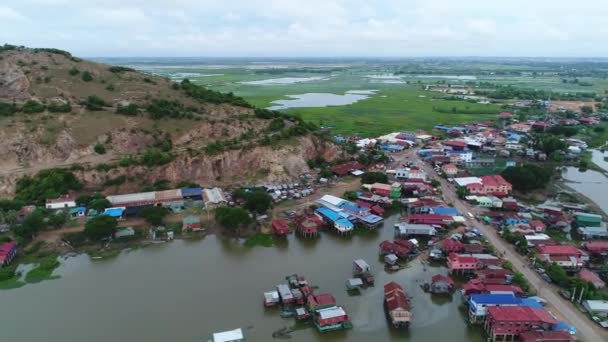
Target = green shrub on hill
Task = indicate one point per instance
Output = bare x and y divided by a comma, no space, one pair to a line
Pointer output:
206,95
94,103
86,76
32,106
46,184
59,107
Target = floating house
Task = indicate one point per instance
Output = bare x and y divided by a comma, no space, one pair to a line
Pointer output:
331,318
280,227
8,251
441,284
348,210
397,305
308,226
285,294
235,335
271,298
363,270
320,301
337,221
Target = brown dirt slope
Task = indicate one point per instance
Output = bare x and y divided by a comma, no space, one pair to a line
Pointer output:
35,141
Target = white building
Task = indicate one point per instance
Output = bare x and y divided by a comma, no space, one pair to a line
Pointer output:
66,201
597,307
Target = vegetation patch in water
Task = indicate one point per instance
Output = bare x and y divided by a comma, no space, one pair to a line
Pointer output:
259,239
44,270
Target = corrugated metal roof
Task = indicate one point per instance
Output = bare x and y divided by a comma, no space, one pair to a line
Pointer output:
191,192
167,195
135,197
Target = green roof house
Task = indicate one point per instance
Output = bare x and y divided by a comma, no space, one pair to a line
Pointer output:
588,220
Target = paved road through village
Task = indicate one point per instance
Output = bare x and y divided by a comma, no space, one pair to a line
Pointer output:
586,329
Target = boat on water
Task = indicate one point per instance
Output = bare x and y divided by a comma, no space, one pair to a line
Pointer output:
397,306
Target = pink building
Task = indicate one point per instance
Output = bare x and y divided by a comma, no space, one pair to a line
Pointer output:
462,264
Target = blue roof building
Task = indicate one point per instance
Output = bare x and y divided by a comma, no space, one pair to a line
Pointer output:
114,212
449,211
479,303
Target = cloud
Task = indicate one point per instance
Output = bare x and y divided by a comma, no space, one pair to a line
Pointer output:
313,27
7,13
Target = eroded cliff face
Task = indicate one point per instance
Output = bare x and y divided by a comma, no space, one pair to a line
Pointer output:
262,164
236,167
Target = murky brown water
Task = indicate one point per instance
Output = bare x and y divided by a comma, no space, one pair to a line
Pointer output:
186,290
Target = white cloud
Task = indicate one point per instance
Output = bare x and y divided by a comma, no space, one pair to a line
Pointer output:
7,13
313,27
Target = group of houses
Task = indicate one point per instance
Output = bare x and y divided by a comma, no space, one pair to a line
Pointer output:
131,204
342,215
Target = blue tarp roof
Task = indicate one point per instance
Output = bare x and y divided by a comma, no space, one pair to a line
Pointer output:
495,299
345,222
114,212
532,303
328,213
449,211
371,219
563,326
191,191
78,210
352,207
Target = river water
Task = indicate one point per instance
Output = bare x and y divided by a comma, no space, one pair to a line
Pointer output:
590,183
185,290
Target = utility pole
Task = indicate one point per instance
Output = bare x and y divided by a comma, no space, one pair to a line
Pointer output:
580,298
573,295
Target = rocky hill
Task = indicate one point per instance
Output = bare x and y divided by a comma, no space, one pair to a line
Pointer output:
119,129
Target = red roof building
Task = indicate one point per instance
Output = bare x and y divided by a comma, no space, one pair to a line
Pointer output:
451,245
546,336
503,321
8,251
597,247
449,169
538,226
345,168
563,255
456,144
377,210
496,185
442,278
280,227
308,225
395,297
321,301
505,115
387,247
591,277
475,286
473,248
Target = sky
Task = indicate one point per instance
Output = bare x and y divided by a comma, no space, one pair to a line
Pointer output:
309,28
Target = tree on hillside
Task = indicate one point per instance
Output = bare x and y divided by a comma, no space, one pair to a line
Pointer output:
232,218
154,215
100,227
374,177
50,183
31,225
57,219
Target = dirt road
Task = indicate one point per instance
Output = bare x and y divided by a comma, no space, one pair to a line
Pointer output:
586,329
